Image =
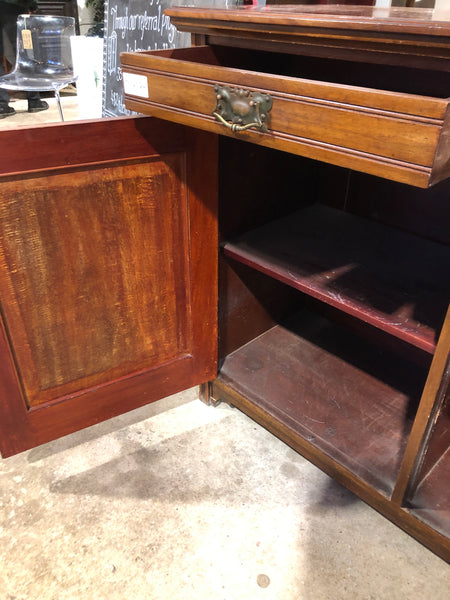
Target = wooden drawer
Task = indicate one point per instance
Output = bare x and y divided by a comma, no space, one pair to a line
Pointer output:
390,131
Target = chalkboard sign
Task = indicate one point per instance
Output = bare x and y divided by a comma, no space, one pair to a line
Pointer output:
132,26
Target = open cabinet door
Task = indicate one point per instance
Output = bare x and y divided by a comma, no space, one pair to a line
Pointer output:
108,283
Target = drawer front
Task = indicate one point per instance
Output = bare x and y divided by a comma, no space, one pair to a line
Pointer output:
393,135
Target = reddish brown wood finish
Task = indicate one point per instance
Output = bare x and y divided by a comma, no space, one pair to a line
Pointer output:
384,277
243,300
81,304
437,442
249,305
330,388
425,213
428,497
431,504
430,404
95,142
346,398
395,36
108,277
361,88
347,21
392,134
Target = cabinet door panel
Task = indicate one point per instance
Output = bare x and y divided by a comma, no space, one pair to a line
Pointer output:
107,276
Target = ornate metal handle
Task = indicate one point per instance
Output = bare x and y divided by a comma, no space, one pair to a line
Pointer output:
234,126
240,109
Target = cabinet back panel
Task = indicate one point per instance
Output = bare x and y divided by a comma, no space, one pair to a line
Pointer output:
425,212
257,185
285,182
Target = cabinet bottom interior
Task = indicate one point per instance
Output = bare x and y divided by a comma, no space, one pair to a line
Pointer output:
351,399
333,289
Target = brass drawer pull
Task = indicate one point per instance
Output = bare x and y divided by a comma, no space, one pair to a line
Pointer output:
240,109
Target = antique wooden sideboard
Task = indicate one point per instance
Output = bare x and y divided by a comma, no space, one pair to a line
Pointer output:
334,276
311,145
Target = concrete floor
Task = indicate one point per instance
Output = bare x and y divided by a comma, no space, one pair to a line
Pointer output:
181,501
23,118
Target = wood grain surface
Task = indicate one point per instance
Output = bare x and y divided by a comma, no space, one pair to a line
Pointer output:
397,135
108,273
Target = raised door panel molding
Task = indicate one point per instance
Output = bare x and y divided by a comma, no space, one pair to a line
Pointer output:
108,272
81,303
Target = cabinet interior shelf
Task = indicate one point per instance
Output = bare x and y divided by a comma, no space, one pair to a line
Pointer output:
350,399
390,279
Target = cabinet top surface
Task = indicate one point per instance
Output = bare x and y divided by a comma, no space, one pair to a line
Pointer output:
418,21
